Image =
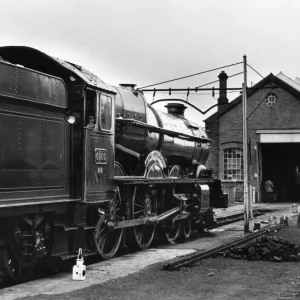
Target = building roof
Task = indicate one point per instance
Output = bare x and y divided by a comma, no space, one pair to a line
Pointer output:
281,80
290,81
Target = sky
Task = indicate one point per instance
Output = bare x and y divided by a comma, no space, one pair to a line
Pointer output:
149,41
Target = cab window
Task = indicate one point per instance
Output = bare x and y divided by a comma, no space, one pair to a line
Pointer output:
105,112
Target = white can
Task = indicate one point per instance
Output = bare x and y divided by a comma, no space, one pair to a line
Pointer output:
79,270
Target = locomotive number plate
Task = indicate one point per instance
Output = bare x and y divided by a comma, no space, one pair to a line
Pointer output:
100,156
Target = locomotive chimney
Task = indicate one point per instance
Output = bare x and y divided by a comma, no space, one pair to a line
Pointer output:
176,109
129,86
223,100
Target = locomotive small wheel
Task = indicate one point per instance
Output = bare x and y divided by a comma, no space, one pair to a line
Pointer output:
144,204
108,240
13,269
186,225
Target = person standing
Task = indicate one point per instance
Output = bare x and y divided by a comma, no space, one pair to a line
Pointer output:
269,187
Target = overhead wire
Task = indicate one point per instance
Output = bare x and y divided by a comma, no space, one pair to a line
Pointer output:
215,81
179,78
264,97
219,80
255,71
205,84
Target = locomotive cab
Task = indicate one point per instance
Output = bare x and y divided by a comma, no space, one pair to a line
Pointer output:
99,149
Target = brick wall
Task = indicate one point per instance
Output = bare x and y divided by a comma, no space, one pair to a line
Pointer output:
227,130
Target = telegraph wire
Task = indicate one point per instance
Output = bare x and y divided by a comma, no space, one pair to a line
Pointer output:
264,97
256,71
191,75
219,80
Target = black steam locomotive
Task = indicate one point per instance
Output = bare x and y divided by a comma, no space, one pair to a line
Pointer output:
87,165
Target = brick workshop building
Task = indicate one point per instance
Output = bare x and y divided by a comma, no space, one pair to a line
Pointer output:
273,139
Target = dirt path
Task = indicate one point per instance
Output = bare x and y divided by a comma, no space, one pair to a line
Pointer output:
230,279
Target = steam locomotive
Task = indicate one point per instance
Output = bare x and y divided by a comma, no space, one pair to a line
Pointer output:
92,166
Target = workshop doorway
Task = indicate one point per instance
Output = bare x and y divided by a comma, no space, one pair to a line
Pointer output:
280,163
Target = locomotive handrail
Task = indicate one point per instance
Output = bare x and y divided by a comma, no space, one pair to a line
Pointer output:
151,128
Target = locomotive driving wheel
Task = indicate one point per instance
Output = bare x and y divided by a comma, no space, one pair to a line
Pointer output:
144,205
23,255
172,233
106,238
186,227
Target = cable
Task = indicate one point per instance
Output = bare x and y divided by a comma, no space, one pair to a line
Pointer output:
255,71
260,102
235,74
219,80
208,83
190,75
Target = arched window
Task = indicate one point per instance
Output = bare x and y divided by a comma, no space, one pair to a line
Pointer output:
233,164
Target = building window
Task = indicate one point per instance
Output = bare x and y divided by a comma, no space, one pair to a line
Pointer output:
233,164
271,99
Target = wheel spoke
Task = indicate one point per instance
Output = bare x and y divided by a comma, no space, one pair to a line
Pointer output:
140,200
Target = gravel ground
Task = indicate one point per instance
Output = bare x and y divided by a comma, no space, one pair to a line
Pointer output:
215,278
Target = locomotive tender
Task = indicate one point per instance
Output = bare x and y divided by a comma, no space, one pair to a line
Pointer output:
87,165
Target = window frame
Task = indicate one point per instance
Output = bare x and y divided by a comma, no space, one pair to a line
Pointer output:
99,112
267,99
237,163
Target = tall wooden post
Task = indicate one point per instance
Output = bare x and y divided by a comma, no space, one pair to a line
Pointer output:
245,151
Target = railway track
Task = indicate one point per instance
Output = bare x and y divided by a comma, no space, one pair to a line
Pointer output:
225,220
192,258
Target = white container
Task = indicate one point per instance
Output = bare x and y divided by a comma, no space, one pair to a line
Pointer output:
295,208
79,270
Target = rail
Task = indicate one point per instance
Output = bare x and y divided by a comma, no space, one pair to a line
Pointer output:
194,257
